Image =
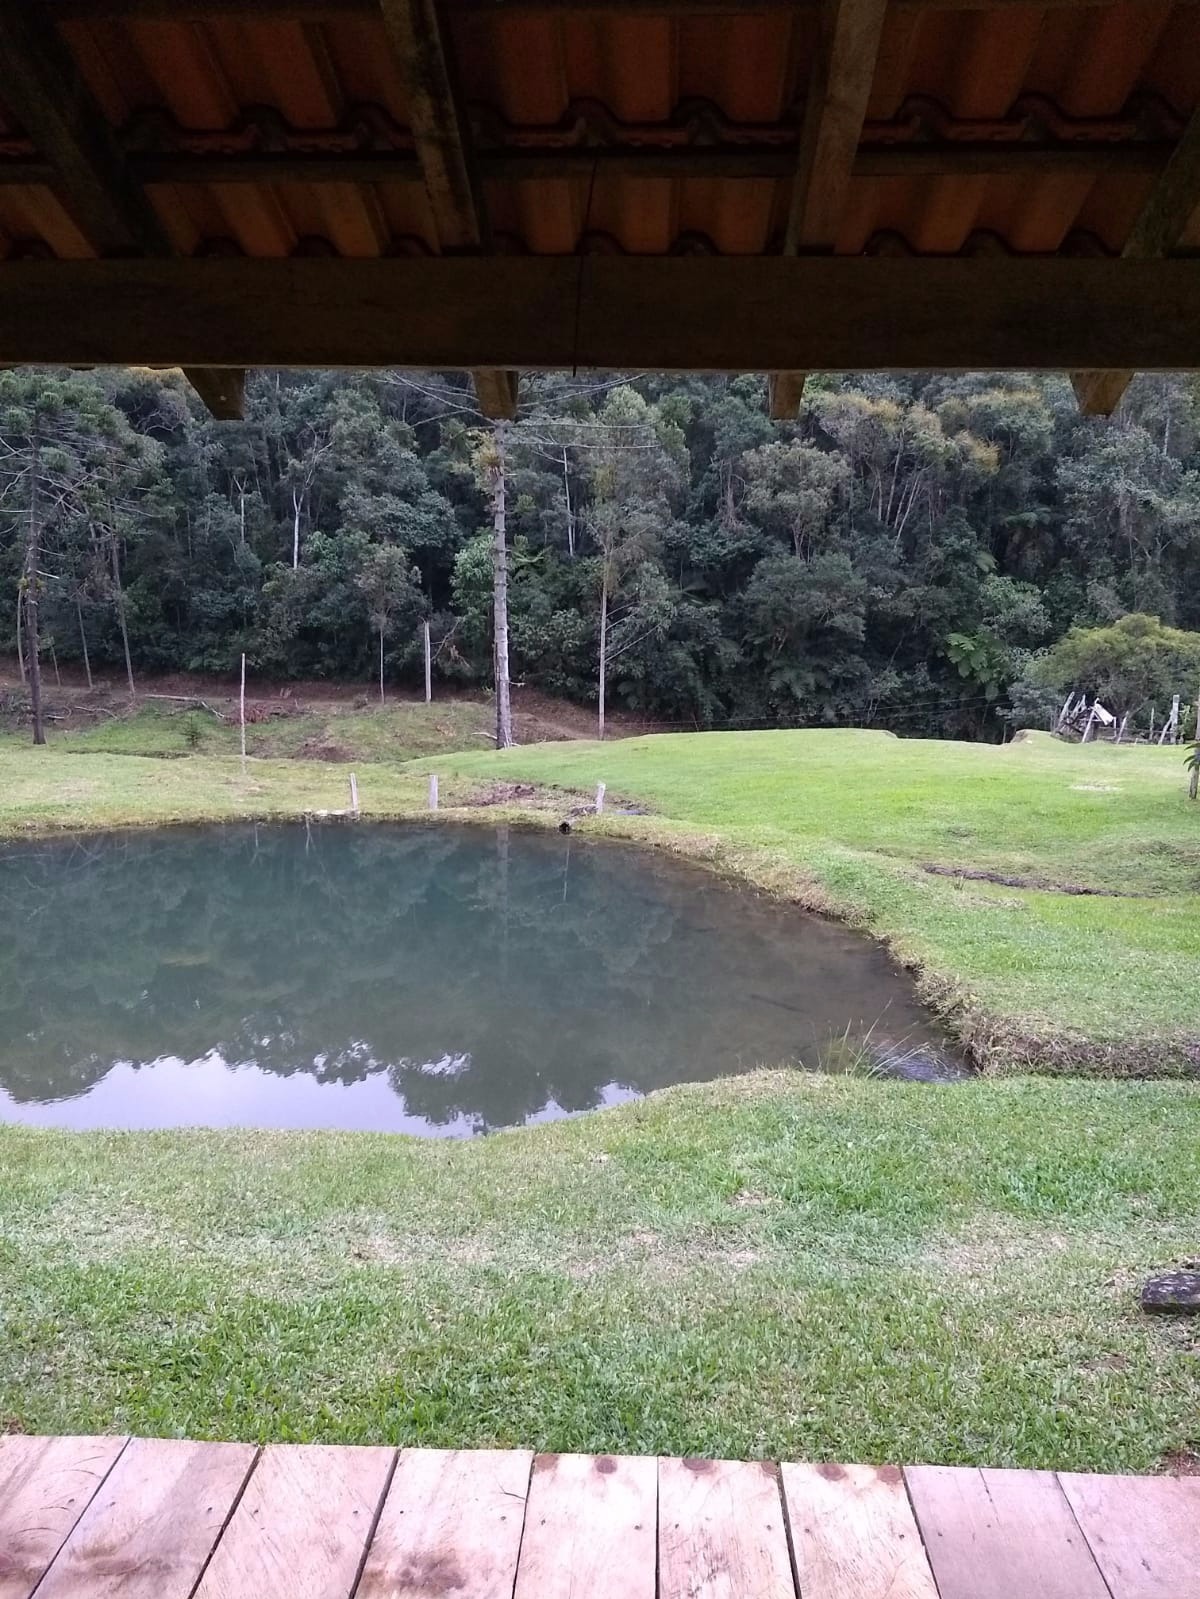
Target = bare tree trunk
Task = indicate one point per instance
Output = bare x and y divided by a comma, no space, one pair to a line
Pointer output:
570,507
54,663
603,642
504,736
29,583
20,640
297,502
381,666
428,665
87,665
120,596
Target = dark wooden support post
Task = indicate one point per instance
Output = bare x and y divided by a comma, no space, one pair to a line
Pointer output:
43,86
834,112
440,132
1162,224
222,388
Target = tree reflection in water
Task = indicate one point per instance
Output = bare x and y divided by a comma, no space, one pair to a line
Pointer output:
484,977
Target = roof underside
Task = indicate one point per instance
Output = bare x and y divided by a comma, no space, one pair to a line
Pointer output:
645,129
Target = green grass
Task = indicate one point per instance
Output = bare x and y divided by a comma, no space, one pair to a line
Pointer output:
851,820
51,790
777,1265
336,731
1029,976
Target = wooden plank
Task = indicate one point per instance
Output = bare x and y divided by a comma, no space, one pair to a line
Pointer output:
153,1524
721,1531
785,390
590,1528
1000,1534
319,10
222,389
42,84
301,1528
854,1535
496,392
43,87
519,164
1162,224
441,134
451,1524
45,1486
1143,1531
835,108
1099,393
834,111
437,121
678,314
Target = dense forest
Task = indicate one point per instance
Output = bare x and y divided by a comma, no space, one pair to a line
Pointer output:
897,557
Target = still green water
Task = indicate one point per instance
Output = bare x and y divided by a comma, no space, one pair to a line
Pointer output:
437,980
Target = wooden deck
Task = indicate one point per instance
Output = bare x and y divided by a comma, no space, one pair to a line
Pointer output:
115,1518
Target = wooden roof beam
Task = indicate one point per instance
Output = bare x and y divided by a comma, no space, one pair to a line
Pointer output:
440,132
222,388
42,84
688,314
1160,228
947,158
834,112
318,10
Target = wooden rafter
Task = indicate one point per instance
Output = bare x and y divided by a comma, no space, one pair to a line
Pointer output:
1161,226
924,159
834,112
440,133
43,86
222,388
732,314
316,10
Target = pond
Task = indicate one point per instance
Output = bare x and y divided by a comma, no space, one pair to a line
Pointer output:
437,980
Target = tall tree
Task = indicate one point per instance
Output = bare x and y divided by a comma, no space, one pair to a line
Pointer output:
391,588
634,470
70,470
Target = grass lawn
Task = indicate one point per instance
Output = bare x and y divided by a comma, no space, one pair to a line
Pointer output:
1041,975
333,732
775,1265
1031,972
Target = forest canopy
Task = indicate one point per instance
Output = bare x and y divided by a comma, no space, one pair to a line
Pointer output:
913,552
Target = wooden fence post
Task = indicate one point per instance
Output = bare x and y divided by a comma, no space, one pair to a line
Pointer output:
242,713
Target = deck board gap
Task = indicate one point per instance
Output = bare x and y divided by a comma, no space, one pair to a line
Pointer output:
374,1527
1087,1542
100,1481
237,1499
524,1524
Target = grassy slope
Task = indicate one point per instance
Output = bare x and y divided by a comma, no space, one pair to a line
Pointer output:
394,732
772,1266
852,818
